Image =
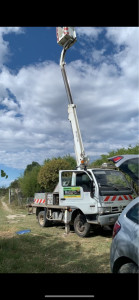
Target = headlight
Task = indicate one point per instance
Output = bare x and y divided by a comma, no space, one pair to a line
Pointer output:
104,210
107,209
100,210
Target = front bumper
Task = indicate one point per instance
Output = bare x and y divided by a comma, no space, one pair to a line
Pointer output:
109,219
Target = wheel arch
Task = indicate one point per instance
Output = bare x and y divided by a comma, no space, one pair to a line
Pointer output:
120,262
38,209
76,212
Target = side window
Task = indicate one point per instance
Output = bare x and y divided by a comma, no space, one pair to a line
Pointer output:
84,181
133,214
74,179
66,178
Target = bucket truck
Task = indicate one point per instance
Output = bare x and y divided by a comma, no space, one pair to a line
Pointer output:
84,197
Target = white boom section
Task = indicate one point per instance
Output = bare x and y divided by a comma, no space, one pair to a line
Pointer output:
78,144
81,159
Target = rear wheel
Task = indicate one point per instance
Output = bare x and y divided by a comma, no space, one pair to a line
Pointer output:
81,227
128,268
43,222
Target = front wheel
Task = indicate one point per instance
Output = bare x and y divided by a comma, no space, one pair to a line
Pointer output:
81,227
128,268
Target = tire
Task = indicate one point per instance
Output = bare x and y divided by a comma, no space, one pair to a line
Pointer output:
128,268
43,222
81,227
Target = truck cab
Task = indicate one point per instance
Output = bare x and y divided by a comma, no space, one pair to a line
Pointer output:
99,194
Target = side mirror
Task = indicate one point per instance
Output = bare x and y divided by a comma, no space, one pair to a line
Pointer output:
92,189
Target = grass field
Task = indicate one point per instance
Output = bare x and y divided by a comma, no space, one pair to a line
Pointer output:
48,250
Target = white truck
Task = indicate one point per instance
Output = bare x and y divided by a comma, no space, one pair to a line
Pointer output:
82,197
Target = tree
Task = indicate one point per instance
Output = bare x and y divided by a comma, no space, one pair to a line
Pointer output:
68,158
71,160
14,184
29,183
31,166
3,174
48,176
121,151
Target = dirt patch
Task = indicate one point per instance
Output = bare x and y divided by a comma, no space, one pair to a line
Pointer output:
12,217
15,218
5,206
6,234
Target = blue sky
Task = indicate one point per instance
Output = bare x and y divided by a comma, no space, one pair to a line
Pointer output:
102,69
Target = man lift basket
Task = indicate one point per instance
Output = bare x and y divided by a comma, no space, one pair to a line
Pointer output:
66,34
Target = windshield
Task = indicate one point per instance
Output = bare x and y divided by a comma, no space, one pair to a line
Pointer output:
112,182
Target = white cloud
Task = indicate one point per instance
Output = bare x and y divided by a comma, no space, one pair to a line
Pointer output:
4,45
9,103
127,57
35,121
7,30
89,31
122,35
98,56
33,115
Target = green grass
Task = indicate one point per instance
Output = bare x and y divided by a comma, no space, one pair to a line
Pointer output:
49,250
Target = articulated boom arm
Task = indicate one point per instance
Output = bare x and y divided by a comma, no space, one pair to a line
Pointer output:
81,159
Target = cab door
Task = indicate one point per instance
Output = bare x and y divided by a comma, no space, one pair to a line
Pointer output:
69,191
75,190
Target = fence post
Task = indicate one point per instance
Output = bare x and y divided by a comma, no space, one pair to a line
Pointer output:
9,196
